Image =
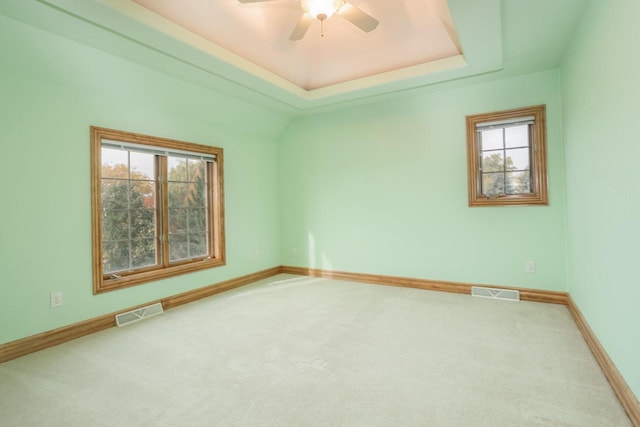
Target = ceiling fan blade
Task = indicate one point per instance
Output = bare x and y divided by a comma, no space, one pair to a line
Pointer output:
253,1
358,17
301,28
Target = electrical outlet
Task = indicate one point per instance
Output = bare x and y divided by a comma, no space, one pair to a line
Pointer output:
294,251
530,267
55,299
256,255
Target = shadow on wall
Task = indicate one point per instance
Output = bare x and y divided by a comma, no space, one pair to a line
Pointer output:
316,260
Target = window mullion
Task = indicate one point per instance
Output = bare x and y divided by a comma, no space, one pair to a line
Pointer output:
533,185
163,210
129,246
479,168
212,201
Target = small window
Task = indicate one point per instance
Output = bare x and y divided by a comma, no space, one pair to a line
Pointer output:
507,162
157,208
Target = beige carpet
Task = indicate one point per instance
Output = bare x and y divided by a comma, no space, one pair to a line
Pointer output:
296,351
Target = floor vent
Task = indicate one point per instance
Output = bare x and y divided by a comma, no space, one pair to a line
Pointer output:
504,294
138,314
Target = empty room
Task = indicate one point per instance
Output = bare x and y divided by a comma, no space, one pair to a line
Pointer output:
319,213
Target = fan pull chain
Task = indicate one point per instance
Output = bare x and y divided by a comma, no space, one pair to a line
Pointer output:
322,17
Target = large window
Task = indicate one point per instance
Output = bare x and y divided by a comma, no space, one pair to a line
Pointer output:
507,163
157,208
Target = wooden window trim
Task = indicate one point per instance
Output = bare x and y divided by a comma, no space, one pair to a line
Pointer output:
539,194
215,191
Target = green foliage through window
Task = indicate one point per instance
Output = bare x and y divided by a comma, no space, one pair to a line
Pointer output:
505,160
157,208
128,214
507,163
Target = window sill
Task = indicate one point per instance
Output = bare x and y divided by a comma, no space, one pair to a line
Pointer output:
102,285
524,200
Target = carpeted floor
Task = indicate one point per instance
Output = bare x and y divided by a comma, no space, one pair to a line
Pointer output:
299,351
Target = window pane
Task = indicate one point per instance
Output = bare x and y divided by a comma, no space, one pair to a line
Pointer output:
491,139
178,247
115,256
197,198
143,193
143,223
129,214
177,169
492,184
197,219
518,159
196,169
178,194
143,253
184,246
518,182
142,165
115,194
142,212
493,161
178,220
115,224
115,163
517,136
197,244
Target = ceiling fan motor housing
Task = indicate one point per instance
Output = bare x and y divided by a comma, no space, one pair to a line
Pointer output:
321,9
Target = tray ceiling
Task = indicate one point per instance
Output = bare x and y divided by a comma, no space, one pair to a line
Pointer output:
243,51
410,33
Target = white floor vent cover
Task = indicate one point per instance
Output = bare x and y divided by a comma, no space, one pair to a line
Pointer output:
504,294
138,314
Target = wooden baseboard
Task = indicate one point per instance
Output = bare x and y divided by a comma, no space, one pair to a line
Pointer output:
526,294
196,294
31,344
618,384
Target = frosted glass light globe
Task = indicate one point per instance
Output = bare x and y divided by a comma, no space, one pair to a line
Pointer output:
321,9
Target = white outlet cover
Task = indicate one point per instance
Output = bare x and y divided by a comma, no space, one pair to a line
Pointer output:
55,299
530,267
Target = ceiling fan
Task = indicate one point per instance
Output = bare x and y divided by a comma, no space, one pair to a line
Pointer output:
322,10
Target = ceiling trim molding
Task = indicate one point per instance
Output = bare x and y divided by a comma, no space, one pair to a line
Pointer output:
478,24
145,16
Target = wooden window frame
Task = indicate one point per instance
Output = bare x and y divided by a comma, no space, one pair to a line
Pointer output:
164,269
539,192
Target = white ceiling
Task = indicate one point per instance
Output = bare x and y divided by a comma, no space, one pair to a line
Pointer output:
242,50
411,32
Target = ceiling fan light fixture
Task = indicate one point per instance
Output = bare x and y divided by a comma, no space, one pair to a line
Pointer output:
321,9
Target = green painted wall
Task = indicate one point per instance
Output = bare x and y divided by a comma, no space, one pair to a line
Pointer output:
601,98
383,189
380,188
51,91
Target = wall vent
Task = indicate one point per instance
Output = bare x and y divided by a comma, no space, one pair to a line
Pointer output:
504,294
138,314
